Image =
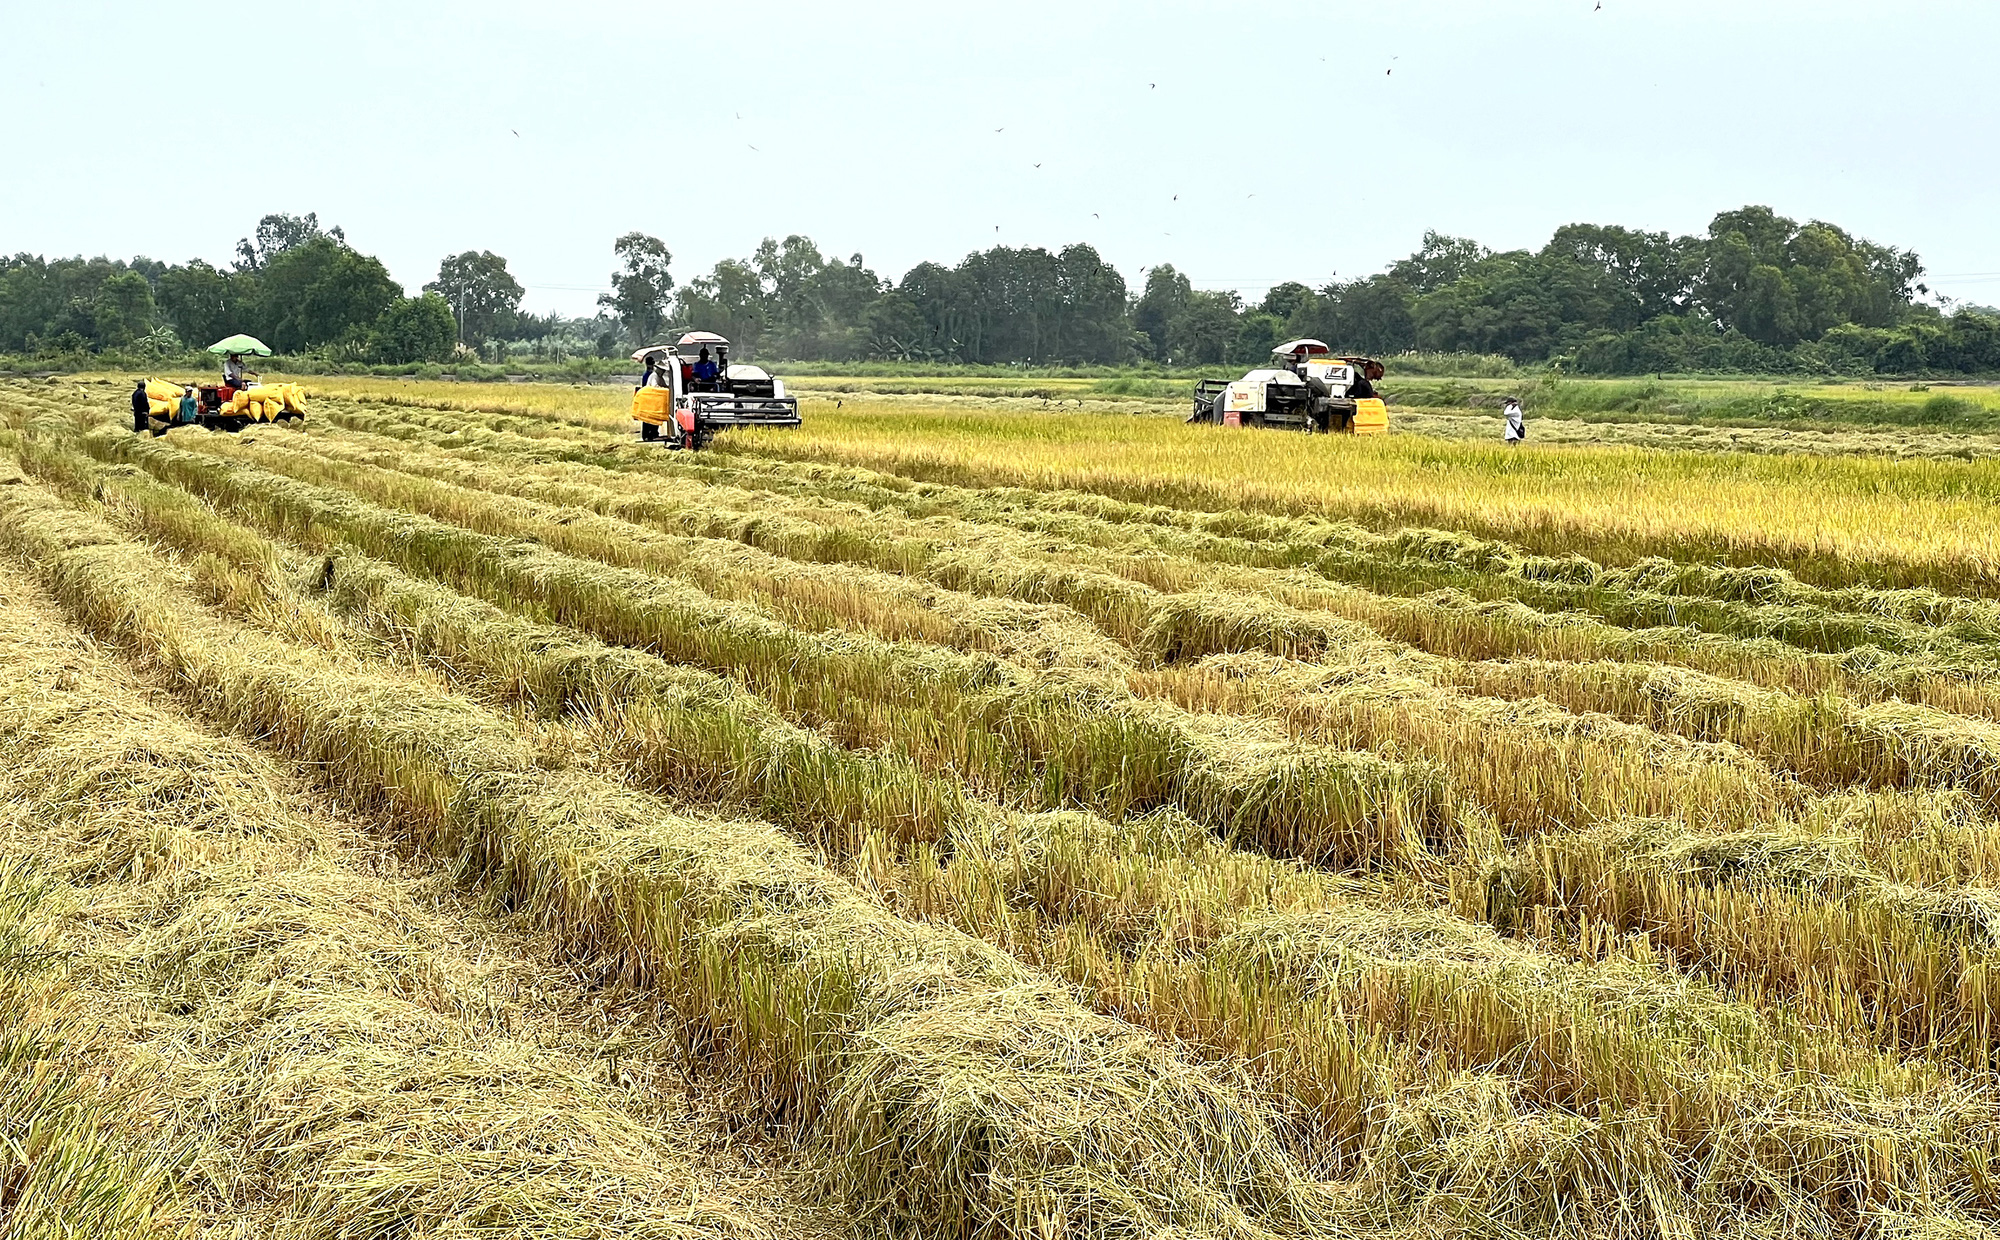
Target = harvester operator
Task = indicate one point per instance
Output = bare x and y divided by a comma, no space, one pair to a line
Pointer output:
1364,381
705,371
232,371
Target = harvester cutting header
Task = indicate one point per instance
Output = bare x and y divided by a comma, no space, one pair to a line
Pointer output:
1306,388
690,391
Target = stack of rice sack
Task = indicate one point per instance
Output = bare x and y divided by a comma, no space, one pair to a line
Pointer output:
163,400
267,402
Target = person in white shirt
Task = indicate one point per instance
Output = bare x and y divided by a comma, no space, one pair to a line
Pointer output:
656,372
232,370
1517,428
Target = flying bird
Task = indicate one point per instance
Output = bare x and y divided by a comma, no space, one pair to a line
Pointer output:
1002,129
1152,86
1095,216
753,148
515,132
1177,197
1037,165
1387,72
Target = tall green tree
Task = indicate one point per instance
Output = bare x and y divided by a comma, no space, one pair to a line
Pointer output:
277,233
1780,282
1205,331
1613,279
642,289
732,301
1282,301
1165,296
205,304
1501,304
481,291
322,293
95,303
414,329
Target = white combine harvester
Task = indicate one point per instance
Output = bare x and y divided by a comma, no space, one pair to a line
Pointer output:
1306,388
690,406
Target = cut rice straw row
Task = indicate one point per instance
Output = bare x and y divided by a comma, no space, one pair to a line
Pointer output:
856,1025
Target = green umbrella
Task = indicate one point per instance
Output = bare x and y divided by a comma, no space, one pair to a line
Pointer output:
241,344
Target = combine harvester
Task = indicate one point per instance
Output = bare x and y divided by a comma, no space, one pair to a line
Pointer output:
1306,388
232,405
690,409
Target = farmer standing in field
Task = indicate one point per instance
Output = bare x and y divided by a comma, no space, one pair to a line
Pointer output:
1517,428
656,372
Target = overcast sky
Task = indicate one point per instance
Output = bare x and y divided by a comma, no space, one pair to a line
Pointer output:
1244,143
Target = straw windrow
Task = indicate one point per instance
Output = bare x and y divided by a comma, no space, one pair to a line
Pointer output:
815,995
1077,740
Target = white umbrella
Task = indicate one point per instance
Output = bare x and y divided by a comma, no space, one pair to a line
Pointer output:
1315,348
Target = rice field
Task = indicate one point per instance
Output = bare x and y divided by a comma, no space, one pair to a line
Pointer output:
983,816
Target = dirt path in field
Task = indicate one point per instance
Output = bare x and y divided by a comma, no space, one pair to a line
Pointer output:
325,1036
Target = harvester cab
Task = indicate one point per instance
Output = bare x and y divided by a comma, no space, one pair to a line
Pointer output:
693,392
1305,388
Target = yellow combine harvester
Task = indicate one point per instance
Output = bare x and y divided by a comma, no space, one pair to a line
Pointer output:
1306,388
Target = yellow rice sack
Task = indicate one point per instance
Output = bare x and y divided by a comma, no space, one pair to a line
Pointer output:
651,404
1371,417
157,389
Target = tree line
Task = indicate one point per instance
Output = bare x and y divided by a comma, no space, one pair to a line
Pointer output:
1756,292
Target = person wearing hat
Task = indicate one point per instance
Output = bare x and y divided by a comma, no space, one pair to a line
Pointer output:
656,372
1517,427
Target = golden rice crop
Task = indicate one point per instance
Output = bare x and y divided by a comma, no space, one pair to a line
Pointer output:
1039,825
977,549
1646,593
